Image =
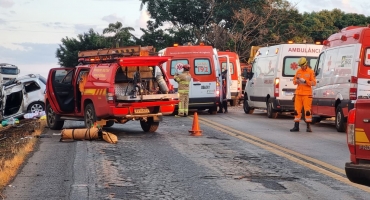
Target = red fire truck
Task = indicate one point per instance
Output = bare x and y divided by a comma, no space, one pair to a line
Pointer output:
111,86
358,135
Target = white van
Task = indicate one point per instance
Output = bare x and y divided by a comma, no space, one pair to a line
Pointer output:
270,84
205,86
342,74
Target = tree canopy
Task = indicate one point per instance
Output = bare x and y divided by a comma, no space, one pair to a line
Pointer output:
226,25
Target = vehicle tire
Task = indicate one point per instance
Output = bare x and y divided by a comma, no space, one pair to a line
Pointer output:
149,125
316,120
271,113
36,107
212,110
109,123
90,117
247,109
52,119
340,120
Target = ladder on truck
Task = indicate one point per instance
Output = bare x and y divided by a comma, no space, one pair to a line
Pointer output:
112,54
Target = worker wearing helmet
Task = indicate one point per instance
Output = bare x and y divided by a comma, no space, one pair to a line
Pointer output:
184,80
305,79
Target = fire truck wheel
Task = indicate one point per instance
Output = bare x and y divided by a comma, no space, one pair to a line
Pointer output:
52,119
90,117
340,120
247,108
149,125
109,123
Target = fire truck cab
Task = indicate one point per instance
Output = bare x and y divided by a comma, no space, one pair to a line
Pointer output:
110,86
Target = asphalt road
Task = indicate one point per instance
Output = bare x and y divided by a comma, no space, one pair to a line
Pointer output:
239,156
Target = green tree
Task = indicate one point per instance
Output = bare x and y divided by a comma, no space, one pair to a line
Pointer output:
67,53
122,35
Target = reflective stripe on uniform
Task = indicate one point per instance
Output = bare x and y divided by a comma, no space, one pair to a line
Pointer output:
183,91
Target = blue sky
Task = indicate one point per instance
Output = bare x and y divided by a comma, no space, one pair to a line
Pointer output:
30,30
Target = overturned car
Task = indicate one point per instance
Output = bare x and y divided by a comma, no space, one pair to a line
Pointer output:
22,95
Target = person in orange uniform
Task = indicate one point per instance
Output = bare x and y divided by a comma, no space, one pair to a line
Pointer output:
305,79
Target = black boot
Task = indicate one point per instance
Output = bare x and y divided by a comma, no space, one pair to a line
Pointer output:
295,128
308,127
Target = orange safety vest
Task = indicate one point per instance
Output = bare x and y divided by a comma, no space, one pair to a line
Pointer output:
308,75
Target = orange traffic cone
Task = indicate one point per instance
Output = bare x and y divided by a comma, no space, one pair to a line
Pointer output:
195,129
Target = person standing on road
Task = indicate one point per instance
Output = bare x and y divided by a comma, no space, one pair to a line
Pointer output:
305,79
184,80
223,104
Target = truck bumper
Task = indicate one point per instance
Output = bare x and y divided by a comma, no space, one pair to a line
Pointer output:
358,173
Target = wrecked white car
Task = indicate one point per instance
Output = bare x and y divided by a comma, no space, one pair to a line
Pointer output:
23,95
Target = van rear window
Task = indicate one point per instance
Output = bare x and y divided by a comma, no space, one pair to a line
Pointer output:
202,66
290,65
176,66
231,67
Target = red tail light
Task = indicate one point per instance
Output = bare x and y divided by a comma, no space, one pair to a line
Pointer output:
353,88
111,95
351,130
276,87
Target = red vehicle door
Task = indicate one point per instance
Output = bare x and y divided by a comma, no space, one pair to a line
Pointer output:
60,90
362,129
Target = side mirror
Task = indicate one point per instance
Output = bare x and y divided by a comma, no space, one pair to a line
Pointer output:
317,71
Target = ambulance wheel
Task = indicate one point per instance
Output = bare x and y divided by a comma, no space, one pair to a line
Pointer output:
212,110
340,120
271,113
149,125
247,108
90,117
109,123
52,119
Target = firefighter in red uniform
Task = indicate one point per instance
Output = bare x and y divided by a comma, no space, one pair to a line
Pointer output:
305,79
183,89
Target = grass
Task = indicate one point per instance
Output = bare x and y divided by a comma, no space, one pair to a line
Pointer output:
19,143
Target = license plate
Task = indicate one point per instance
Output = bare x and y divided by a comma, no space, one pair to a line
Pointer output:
141,110
210,91
288,93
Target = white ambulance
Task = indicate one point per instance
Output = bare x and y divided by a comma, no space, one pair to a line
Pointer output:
270,84
342,74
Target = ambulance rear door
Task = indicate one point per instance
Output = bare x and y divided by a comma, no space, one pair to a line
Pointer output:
203,84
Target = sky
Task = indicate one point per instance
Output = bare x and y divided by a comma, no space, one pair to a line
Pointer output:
32,30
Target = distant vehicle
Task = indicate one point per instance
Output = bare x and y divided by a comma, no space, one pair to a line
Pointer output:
23,95
235,74
206,82
270,84
8,71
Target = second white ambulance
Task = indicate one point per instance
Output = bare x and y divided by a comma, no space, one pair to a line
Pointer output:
270,86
